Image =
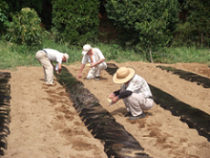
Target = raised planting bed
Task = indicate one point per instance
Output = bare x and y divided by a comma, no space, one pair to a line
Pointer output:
189,76
117,141
4,110
194,117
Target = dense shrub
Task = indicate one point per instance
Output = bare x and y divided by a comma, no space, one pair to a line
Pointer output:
141,20
195,29
42,7
75,22
25,28
144,23
3,16
17,5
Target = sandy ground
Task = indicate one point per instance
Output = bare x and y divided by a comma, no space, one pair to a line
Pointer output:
44,122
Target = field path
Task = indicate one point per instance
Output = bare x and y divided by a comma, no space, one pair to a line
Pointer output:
44,122
160,133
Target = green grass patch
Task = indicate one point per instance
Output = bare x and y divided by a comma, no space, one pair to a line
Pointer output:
13,55
119,54
183,55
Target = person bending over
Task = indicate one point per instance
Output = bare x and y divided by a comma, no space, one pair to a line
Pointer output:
97,60
46,57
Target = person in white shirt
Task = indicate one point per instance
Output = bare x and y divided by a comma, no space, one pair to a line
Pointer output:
46,57
135,92
97,60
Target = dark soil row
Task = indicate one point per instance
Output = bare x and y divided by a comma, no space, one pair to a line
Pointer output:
194,117
4,110
117,141
189,76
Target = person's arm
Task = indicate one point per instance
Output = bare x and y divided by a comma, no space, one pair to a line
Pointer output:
80,72
101,57
115,93
125,94
115,96
59,68
100,61
121,95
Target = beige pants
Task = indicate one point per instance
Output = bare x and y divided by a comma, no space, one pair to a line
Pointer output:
96,71
41,56
136,103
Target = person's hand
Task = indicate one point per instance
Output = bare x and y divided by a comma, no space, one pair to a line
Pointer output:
79,76
111,96
56,71
92,65
115,99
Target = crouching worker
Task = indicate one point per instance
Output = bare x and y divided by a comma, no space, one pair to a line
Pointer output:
135,92
46,57
97,60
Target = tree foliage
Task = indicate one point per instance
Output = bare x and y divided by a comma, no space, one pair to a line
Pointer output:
145,23
25,28
195,30
75,22
17,5
3,16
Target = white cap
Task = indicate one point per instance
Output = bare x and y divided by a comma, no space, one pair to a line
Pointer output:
86,48
66,56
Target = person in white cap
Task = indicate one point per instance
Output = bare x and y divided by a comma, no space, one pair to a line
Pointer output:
46,57
97,60
135,92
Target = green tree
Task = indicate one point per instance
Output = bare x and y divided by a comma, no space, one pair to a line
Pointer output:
145,23
75,22
3,16
123,14
194,29
38,5
199,19
25,28
17,5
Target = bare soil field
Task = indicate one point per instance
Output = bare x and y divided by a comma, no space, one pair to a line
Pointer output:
44,122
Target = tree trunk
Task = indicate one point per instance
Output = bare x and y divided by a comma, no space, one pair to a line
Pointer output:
150,53
201,39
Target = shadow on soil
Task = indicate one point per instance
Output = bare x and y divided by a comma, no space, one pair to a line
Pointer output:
4,110
205,82
117,141
194,117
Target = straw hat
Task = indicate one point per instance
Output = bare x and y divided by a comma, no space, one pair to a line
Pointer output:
123,74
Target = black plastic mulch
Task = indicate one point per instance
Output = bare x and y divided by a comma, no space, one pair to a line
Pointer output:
189,76
118,142
4,110
194,117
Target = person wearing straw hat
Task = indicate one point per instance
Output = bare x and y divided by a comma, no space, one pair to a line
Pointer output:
46,57
97,60
135,92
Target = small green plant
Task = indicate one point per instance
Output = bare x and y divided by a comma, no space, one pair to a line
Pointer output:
25,28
